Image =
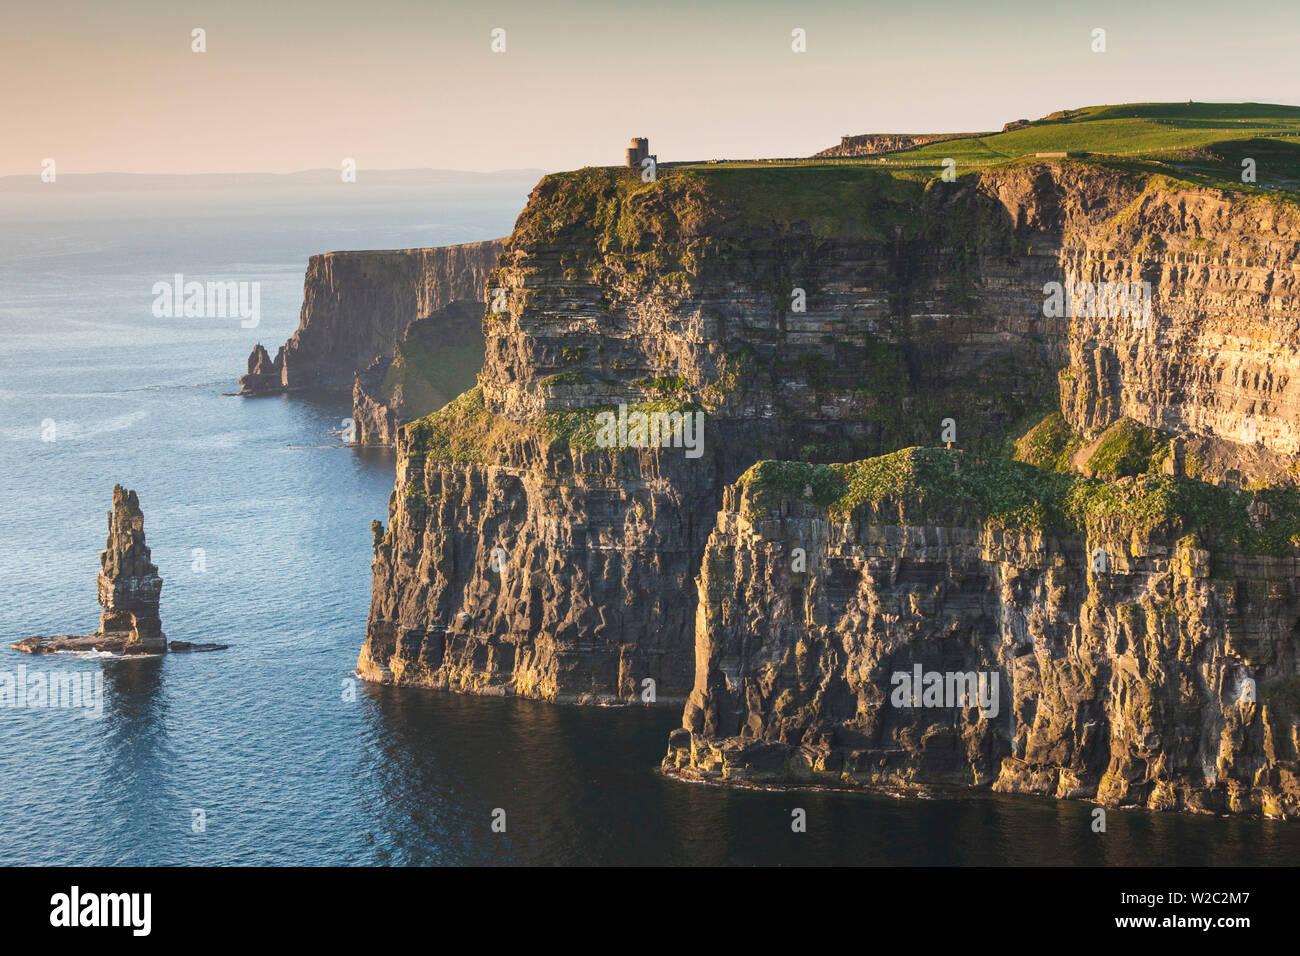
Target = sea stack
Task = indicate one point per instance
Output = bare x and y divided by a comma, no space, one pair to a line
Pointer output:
264,376
129,589
129,585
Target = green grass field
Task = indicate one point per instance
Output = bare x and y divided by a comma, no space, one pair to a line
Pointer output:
1201,142
1136,130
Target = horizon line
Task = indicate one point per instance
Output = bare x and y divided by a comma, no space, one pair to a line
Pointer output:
296,172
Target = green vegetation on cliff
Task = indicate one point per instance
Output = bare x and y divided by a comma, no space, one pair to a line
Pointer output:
465,431
596,209
607,210
429,378
947,485
1203,143
1128,448
1132,129
1125,448
1049,444
462,431
1200,143
578,427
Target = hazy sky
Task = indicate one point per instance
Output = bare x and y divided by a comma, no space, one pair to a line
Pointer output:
284,86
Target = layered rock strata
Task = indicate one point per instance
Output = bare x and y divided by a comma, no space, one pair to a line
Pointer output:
876,144
401,328
1124,654
550,573
819,313
670,307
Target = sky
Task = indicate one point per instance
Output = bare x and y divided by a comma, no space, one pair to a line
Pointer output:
396,84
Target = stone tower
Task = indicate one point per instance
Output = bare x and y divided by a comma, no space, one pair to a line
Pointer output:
639,150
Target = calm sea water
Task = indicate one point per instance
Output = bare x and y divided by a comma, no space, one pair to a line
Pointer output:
261,741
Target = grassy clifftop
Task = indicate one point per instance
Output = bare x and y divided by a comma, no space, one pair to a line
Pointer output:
1133,129
602,209
951,486
1203,143
1198,143
871,197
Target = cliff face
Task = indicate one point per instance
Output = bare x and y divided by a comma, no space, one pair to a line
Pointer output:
874,144
824,336
823,314
1112,653
1210,350
401,327
680,298
436,359
1218,357
549,573
966,300
356,305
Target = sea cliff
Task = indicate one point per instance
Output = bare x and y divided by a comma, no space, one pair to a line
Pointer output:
836,313
400,328
1138,644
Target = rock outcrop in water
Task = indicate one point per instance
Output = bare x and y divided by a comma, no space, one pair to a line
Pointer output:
129,591
401,328
265,377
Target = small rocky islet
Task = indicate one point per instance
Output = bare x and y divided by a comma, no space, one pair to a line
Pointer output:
129,592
